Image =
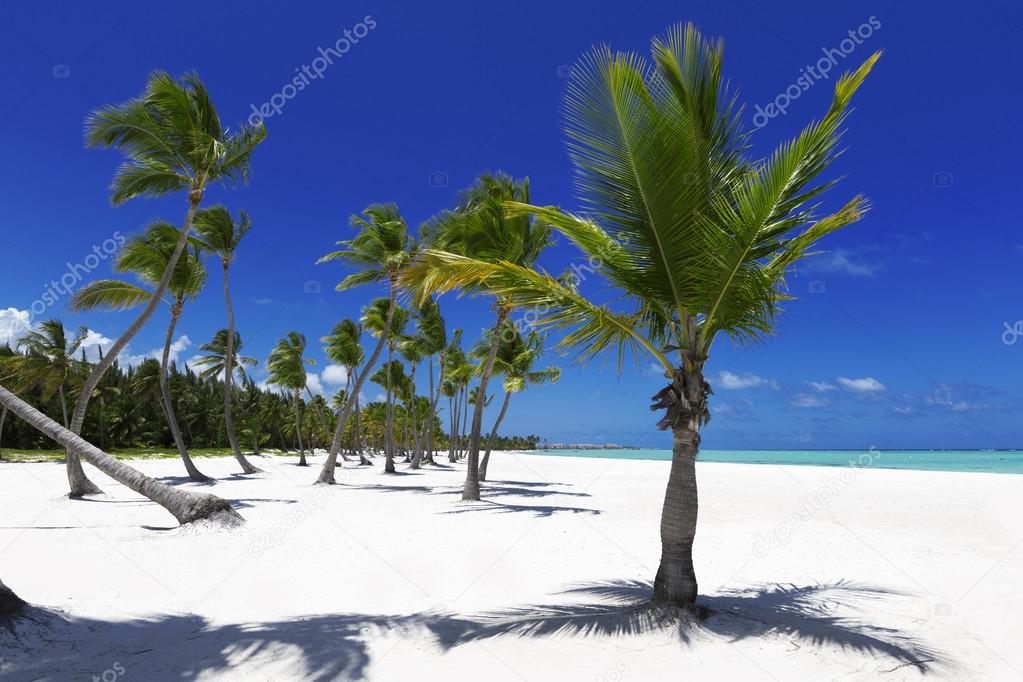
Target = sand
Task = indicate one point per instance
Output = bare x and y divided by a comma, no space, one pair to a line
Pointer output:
805,572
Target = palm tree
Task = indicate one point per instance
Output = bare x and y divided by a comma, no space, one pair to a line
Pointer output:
173,141
7,358
383,248
287,370
214,361
221,235
412,350
695,235
515,359
149,257
48,360
456,370
344,348
386,319
431,340
186,507
479,229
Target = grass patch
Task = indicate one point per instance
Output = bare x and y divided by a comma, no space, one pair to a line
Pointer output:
32,456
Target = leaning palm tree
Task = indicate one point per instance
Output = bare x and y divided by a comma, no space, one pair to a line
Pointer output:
515,359
433,339
385,318
696,236
186,507
221,235
287,369
48,360
383,248
149,256
344,348
173,141
480,230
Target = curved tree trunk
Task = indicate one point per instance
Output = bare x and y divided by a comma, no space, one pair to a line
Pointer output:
298,430
11,605
246,465
493,435
327,472
675,582
471,491
186,507
79,482
168,406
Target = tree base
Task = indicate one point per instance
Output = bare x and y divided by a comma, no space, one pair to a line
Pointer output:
211,510
11,605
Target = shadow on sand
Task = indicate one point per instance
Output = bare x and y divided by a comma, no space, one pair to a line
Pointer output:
187,646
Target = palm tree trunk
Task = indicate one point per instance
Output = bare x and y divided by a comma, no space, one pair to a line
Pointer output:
453,418
168,407
389,414
462,419
435,393
493,436
3,418
357,433
471,491
78,481
246,465
675,582
11,605
186,507
327,473
298,430
63,403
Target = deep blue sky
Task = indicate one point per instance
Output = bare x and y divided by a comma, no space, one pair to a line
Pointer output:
914,300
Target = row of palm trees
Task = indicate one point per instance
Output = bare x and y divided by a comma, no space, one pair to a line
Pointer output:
695,235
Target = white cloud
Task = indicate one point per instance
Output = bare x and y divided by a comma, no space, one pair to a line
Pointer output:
14,324
334,375
807,400
732,382
864,385
839,261
312,381
823,386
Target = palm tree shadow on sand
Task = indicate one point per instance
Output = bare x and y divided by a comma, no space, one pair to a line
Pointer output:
337,646
803,614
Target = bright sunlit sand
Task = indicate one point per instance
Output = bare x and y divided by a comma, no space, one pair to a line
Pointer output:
856,572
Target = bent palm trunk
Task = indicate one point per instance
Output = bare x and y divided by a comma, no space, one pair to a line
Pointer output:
246,465
327,472
186,507
686,402
471,491
3,418
168,406
78,481
493,435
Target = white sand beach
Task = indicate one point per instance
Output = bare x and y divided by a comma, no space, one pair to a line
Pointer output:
806,573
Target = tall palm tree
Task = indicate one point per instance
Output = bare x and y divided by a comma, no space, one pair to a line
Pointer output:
343,347
412,350
386,319
695,235
48,361
432,339
382,248
457,371
149,257
480,230
515,359
214,361
173,141
286,366
221,235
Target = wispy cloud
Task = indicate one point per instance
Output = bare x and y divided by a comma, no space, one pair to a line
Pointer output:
841,261
732,382
822,386
808,400
864,385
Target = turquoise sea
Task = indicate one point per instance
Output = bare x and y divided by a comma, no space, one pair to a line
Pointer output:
991,461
